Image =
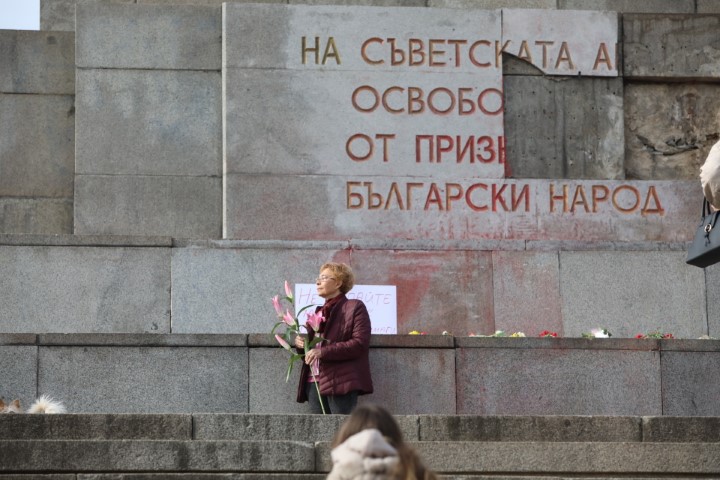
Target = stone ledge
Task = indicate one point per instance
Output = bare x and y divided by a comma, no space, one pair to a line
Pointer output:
143,339
84,240
564,343
18,339
377,341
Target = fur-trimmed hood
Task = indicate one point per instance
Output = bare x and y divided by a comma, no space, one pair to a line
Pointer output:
364,456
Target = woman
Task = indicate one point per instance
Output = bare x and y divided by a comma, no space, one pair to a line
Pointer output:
370,445
341,363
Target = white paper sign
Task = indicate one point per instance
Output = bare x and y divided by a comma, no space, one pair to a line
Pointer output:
380,300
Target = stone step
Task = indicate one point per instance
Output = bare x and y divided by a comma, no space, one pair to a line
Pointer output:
455,458
318,428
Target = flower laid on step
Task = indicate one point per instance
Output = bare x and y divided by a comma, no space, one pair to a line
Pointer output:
655,334
597,333
415,332
292,326
548,333
517,334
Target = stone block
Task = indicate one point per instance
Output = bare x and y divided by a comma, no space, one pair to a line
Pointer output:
148,205
691,384
37,62
669,129
492,4
141,340
526,292
201,476
286,427
681,429
372,3
494,428
84,289
551,131
184,37
18,375
84,240
707,6
154,456
497,381
632,292
216,290
436,290
153,379
148,122
96,426
712,292
627,6
36,145
400,393
671,47
36,216
356,208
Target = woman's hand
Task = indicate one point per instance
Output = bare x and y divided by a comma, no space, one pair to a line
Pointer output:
299,342
312,356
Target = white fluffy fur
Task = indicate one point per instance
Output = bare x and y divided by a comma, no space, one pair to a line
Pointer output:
710,176
46,404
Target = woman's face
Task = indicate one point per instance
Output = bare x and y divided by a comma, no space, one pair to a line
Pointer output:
327,285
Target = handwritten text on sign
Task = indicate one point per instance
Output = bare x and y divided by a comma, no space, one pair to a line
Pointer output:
380,300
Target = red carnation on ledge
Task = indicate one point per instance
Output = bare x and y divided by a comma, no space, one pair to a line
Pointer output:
548,333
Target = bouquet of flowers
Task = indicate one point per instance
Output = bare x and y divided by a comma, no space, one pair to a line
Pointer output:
292,329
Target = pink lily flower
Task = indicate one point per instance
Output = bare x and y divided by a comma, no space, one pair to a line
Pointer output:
314,320
288,292
288,318
282,342
276,304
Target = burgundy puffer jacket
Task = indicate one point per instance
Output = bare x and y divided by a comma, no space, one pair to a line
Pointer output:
345,362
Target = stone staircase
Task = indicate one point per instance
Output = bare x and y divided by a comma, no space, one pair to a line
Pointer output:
258,446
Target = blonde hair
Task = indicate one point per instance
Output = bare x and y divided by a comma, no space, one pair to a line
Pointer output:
367,416
341,272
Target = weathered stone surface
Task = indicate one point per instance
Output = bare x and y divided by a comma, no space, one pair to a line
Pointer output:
565,382
492,4
142,340
85,240
551,132
216,290
646,6
630,293
690,383
526,292
37,62
285,427
680,429
374,3
149,36
84,289
200,476
36,216
436,291
669,129
154,456
18,339
86,427
148,205
148,122
662,46
707,6
341,208
712,292
397,391
154,379
466,428
36,145
18,375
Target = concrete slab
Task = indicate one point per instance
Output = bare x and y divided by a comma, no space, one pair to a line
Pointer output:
436,291
627,6
178,206
36,145
558,381
690,383
36,216
18,377
681,429
146,379
551,132
216,290
669,129
148,122
526,292
707,6
37,62
148,36
358,207
84,289
630,293
493,4
712,294
662,46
